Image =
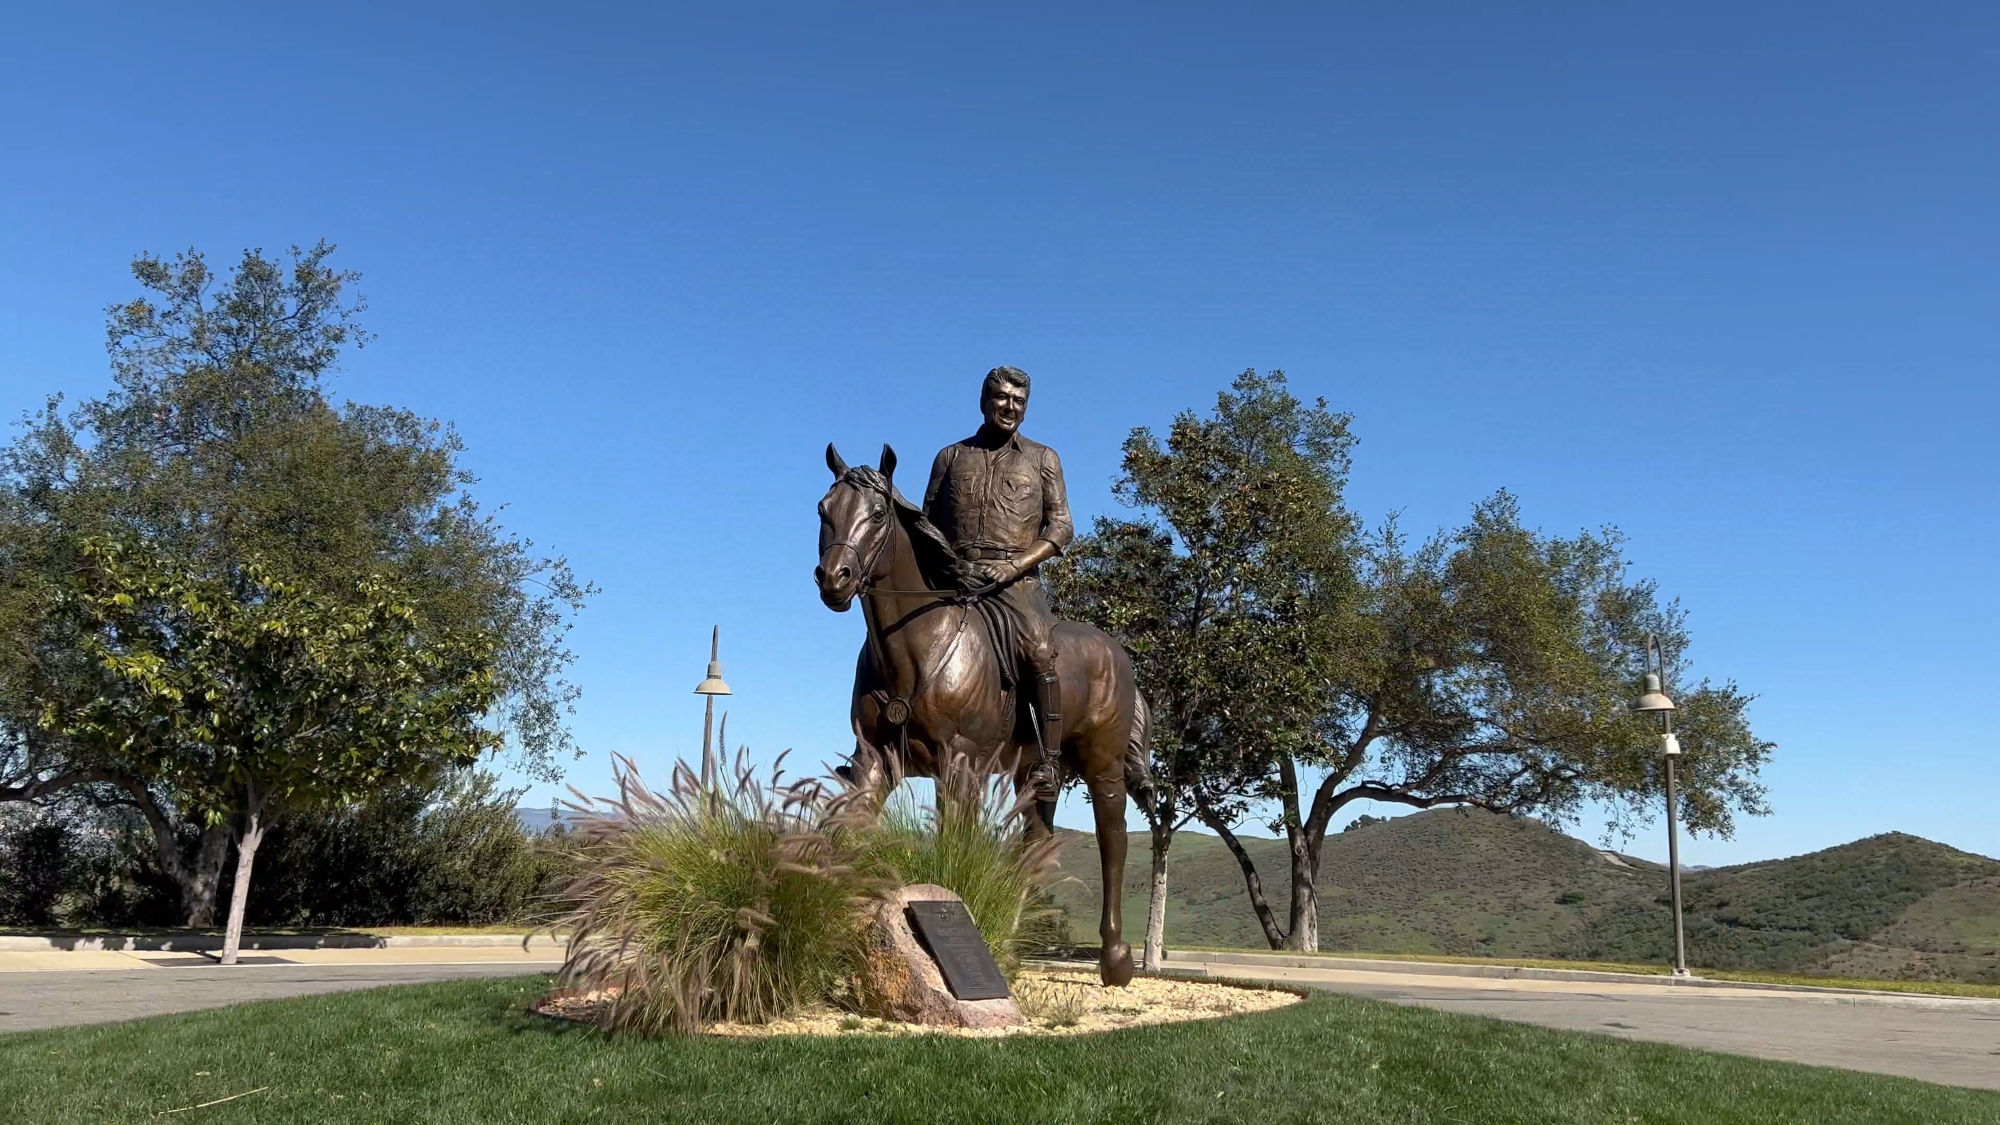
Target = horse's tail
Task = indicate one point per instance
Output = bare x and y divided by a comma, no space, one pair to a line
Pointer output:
1138,755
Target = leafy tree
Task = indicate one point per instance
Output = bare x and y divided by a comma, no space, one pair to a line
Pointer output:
1227,592
252,696
218,445
1490,667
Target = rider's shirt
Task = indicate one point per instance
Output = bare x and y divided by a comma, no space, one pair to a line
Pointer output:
995,501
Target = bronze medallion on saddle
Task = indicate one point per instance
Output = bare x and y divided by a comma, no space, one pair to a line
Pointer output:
963,656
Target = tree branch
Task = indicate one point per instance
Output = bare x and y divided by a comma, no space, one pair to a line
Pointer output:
1415,798
65,780
166,843
1323,807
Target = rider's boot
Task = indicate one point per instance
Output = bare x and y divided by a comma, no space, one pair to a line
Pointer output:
1048,707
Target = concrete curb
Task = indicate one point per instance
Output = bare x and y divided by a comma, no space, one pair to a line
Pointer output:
193,942
1199,964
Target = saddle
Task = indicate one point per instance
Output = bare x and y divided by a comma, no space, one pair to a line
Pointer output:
1004,635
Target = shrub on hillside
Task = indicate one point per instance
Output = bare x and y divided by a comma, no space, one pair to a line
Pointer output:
36,861
725,898
453,853
73,863
476,865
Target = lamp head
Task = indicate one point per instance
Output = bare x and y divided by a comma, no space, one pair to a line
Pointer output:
713,685
1652,700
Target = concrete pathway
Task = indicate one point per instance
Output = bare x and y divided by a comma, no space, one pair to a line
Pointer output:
1935,1039
40,989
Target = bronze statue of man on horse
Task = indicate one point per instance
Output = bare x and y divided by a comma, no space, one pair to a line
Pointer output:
963,657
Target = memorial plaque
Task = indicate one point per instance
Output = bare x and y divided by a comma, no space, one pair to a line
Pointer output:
948,934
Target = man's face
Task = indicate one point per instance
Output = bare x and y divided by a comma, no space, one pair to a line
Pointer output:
1004,404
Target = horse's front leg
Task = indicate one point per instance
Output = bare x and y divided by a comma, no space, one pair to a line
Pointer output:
870,775
1107,806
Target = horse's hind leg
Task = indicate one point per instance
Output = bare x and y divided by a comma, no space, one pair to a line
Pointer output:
1038,817
1042,819
1107,806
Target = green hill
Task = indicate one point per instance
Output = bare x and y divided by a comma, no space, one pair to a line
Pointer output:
1468,882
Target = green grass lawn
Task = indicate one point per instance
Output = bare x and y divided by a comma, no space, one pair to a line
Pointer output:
466,1051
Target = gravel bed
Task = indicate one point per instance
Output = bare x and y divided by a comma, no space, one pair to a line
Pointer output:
1055,1003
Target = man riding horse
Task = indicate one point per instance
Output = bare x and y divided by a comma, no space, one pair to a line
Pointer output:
1000,501
957,630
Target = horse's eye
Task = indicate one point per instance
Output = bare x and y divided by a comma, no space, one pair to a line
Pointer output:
879,515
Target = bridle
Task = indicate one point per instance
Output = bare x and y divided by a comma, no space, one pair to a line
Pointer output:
867,587
865,572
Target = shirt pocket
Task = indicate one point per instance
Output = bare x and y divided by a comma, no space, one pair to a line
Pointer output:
1018,485
961,490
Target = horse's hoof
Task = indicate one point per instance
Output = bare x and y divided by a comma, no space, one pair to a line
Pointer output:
1115,966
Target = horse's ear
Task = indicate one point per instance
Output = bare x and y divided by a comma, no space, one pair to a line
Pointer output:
834,462
888,461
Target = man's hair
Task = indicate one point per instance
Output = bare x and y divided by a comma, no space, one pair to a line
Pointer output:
999,375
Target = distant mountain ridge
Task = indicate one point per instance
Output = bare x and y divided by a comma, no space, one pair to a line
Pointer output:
1460,881
540,819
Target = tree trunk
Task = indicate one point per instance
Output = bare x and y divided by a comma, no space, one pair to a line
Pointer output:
1302,924
1156,906
200,881
1251,882
1308,843
239,895
1304,919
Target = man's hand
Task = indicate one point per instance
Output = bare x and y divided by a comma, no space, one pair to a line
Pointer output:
975,574
997,572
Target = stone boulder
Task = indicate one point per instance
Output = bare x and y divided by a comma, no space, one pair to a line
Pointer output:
902,983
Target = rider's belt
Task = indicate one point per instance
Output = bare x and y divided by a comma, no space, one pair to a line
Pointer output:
983,553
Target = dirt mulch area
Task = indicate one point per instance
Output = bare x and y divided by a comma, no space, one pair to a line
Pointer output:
1054,1002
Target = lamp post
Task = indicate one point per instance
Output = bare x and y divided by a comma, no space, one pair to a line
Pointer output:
1653,700
711,687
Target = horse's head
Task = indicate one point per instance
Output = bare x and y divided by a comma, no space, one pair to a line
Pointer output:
856,521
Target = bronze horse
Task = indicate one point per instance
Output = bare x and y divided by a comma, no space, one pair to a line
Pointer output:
928,682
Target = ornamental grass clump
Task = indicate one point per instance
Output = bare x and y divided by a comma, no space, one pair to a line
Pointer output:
969,840
725,898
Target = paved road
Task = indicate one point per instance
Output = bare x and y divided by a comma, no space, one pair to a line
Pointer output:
1956,1043
64,997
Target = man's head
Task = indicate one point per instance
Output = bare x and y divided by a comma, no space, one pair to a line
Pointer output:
1003,398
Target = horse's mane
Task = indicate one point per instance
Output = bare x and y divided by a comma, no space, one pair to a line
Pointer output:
937,560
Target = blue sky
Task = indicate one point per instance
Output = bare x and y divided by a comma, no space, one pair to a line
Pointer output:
1725,276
